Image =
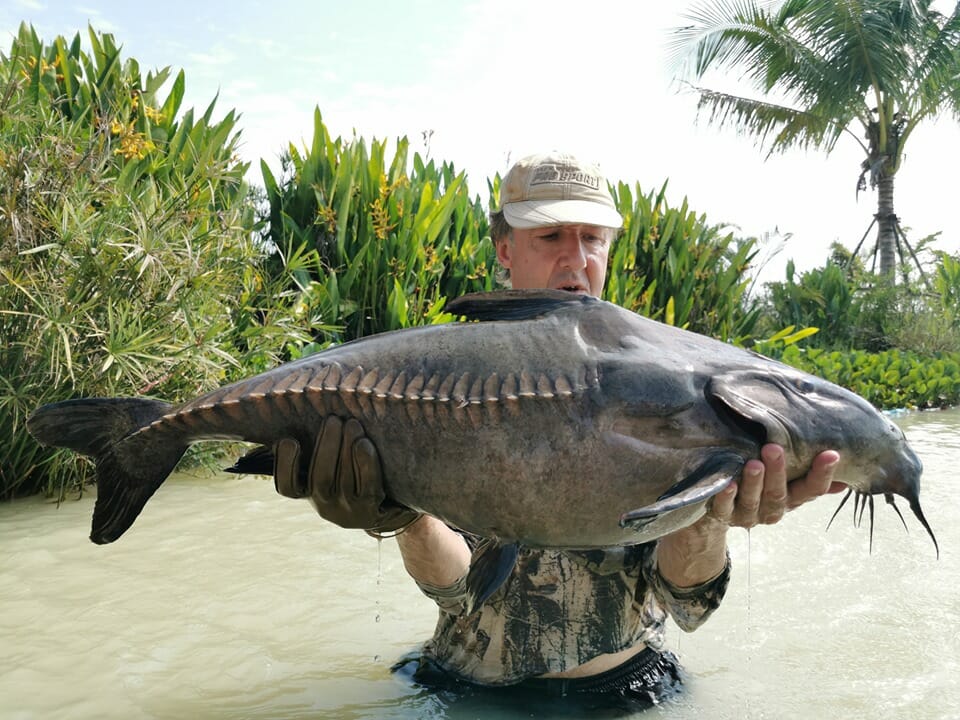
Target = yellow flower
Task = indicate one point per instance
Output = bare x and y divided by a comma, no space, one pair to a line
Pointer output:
44,65
328,216
134,145
27,71
381,220
153,115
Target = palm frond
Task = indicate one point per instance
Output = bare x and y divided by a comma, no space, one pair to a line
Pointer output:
778,127
876,61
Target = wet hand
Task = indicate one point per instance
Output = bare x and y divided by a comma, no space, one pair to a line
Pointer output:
762,496
344,480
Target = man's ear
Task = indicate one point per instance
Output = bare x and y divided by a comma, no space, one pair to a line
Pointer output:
503,252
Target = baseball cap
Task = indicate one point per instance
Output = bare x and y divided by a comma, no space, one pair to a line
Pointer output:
556,189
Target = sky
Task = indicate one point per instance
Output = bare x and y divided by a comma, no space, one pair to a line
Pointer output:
482,83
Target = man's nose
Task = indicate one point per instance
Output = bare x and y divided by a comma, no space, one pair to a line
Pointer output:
574,256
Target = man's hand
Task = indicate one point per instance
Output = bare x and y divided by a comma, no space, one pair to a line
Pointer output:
763,495
344,480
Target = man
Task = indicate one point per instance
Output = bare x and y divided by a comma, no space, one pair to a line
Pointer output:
587,623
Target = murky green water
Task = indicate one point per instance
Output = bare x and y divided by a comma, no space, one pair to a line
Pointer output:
228,601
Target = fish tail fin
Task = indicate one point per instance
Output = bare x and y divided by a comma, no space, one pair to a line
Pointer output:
130,465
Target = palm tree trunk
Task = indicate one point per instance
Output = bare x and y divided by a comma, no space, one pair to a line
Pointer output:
886,228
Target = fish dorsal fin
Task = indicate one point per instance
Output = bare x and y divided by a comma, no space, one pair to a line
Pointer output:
514,304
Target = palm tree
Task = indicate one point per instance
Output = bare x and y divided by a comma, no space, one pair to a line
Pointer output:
869,69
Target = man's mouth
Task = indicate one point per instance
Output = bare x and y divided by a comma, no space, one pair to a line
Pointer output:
573,288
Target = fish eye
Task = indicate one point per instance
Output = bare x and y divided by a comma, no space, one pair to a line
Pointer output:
805,386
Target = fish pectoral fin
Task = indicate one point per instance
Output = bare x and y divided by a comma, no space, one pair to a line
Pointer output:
490,566
710,477
258,461
514,304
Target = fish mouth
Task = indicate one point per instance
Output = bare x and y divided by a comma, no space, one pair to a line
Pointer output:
750,403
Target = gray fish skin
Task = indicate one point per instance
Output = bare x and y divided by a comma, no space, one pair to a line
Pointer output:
571,423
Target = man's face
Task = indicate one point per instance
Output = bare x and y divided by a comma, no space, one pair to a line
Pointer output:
559,257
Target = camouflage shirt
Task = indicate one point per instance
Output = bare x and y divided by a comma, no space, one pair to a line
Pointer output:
559,609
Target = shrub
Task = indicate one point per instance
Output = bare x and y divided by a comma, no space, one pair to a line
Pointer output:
126,245
672,265
893,379
379,243
824,298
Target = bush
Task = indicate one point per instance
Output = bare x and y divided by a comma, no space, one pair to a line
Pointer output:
126,244
672,265
824,298
893,379
376,244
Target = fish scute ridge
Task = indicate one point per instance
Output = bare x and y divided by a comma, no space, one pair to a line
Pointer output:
428,396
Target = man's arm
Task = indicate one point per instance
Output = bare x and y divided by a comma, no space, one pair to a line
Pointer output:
433,553
698,553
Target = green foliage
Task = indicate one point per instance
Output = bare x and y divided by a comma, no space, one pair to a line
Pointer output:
823,298
885,64
389,248
889,380
898,346
670,264
381,246
126,251
946,284
854,308
774,345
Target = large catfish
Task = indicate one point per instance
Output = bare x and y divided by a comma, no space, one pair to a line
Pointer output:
557,421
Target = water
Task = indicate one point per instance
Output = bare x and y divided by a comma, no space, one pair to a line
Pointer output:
228,601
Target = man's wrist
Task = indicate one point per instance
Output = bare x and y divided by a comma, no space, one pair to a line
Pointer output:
694,554
707,528
384,534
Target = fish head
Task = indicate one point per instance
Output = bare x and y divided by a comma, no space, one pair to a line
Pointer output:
807,415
